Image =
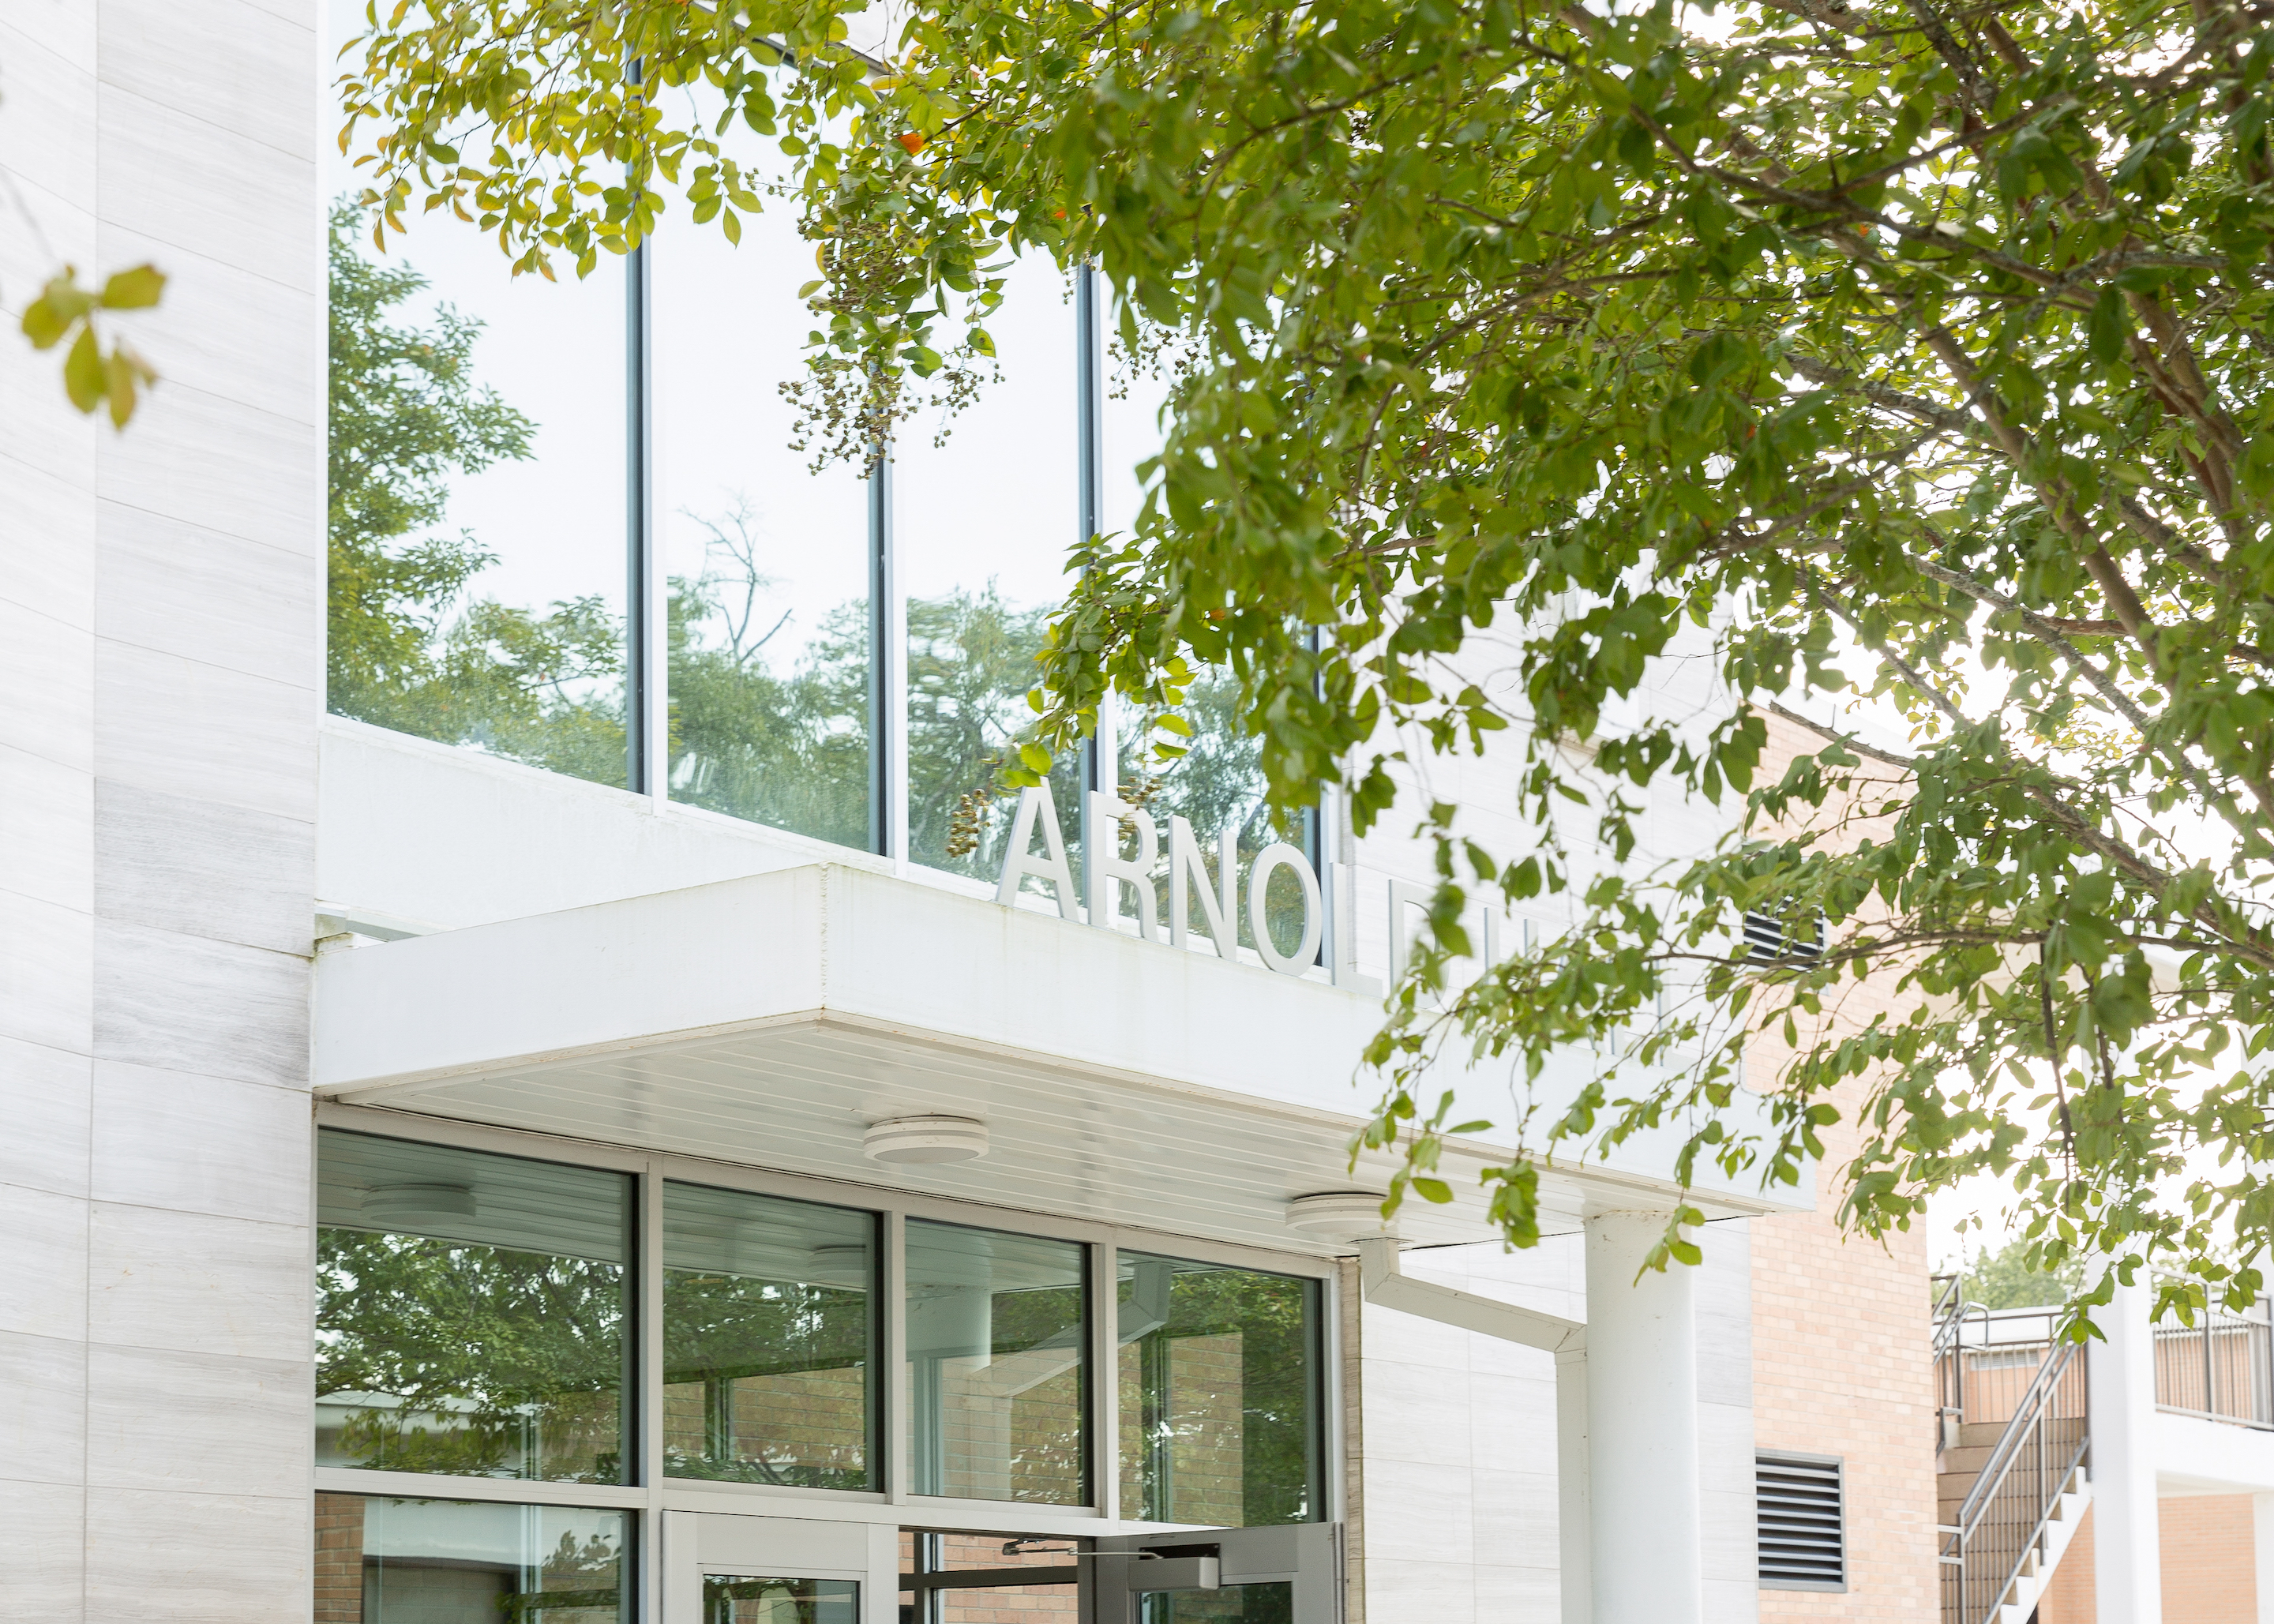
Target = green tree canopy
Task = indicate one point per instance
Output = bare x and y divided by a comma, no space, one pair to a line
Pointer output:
1900,350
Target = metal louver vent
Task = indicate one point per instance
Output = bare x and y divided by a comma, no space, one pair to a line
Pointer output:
1771,940
1799,1516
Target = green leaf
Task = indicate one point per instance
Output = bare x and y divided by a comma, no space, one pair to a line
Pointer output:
84,373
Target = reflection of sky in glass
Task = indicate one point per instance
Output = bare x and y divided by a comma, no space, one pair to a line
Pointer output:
997,501
553,352
728,329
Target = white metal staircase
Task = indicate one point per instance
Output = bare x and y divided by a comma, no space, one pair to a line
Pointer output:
2012,1485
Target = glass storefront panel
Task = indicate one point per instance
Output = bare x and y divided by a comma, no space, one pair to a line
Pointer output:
732,1599
766,558
985,510
767,1340
997,1371
1218,1393
472,1312
389,1561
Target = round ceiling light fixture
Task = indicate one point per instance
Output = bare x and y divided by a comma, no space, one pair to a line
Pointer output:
418,1204
916,1140
1337,1215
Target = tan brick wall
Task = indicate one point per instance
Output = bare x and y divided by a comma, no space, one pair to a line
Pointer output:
2211,1565
2209,1561
1841,1360
339,1558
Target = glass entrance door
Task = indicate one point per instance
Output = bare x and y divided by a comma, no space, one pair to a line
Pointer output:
1233,1575
730,1569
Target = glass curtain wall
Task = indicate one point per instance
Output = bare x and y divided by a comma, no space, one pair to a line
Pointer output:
766,556
1217,784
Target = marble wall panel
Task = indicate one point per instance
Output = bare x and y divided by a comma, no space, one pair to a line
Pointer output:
43,1395
225,195
43,1265
1416,1413
223,63
195,1285
208,460
47,811
218,332
49,107
1403,1590
45,954
47,1574
190,1004
202,869
176,589
198,730
47,671
196,1422
197,1559
1515,1522
45,1092
47,559
199,1145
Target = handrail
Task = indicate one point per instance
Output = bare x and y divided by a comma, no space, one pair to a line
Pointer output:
2024,1448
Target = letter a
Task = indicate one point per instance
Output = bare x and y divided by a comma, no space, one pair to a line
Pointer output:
1035,804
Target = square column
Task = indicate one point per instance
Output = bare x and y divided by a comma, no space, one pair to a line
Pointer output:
2128,1571
1645,1565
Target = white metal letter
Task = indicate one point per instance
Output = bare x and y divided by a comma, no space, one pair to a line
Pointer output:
1107,870
1035,805
1219,904
1279,855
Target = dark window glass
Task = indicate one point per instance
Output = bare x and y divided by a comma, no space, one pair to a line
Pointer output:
383,1560
767,1338
1218,1395
471,1312
732,1599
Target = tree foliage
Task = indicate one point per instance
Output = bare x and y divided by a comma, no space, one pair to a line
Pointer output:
1898,351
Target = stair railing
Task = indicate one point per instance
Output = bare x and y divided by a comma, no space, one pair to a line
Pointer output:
1951,1313
2003,1521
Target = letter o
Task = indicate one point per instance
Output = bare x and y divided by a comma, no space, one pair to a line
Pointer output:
1279,855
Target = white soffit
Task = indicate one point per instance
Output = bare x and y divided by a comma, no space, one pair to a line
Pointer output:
770,1020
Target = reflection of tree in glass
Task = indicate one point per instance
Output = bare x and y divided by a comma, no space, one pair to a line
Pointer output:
404,648
727,1334
1216,784
1265,1322
790,750
971,663
488,1361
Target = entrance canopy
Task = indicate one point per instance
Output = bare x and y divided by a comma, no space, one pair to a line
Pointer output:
773,1020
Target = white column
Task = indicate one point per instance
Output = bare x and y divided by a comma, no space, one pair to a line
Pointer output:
2261,1529
2127,1556
1642,1428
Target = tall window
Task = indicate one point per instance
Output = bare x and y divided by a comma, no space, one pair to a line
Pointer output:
984,506
478,499
765,557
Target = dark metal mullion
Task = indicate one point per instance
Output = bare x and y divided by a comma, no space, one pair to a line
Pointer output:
641,684
1089,458
881,619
